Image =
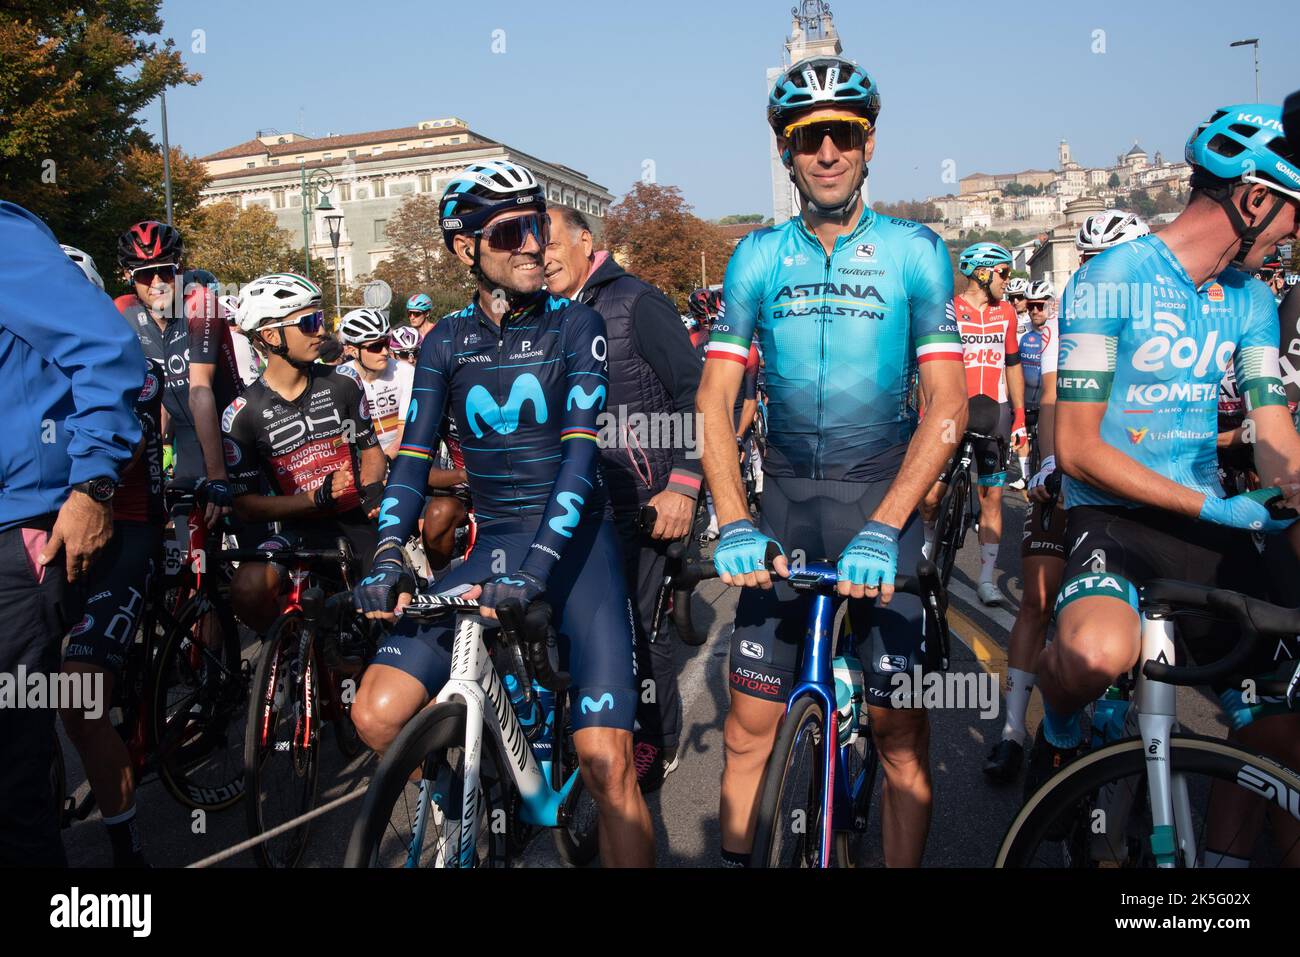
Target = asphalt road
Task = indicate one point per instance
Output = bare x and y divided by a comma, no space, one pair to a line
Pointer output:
969,815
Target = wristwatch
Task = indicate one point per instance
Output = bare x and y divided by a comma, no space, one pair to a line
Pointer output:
100,489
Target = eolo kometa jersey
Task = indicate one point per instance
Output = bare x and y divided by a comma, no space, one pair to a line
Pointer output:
1137,334
842,335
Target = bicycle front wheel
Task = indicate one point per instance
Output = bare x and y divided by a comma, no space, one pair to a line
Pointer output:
950,528
411,814
789,828
1095,813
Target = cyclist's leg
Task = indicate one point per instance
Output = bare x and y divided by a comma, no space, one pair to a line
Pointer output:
443,514
595,624
991,467
255,587
765,643
96,652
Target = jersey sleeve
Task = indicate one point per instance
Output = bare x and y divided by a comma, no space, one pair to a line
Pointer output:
928,276
742,303
1092,315
587,380
409,477
1012,343
240,448
356,409
1259,375
1051,347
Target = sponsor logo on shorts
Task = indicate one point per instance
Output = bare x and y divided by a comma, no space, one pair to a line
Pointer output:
83,626
752,649
890,663
756,681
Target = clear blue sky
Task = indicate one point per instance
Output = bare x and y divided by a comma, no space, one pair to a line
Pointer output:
601,88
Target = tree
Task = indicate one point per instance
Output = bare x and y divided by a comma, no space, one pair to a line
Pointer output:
420,261
238,245
74,78
1113,182
915,210
658,238
739,218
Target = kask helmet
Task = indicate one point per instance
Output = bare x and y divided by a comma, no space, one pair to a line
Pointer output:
481,191
85,262
821,81
419,303
274,297
1040,290
1108,228
1017,286
1246,142
982,255
403,339
700,302
149,242
361,326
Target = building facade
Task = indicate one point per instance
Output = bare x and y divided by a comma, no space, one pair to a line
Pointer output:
370,175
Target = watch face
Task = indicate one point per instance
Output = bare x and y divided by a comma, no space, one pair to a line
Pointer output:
100,489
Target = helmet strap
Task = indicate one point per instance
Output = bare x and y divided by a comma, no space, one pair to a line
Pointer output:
282,350
1248,235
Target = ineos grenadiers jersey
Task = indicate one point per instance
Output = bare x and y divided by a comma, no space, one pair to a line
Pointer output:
1137,334
842,335
525,398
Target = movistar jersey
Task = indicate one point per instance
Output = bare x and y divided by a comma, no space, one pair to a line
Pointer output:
841,335
1138,334
525,398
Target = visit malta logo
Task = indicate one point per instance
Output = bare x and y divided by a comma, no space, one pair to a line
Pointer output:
1135,436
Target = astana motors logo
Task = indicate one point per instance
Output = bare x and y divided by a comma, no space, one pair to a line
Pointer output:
481,410
1171,350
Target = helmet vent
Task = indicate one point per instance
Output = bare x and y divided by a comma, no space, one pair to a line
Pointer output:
1226,146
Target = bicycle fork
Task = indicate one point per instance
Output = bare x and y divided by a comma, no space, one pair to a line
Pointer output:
1171,815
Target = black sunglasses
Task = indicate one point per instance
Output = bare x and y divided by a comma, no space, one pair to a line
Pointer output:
376,347
308,323
845,134
1003,271
509,235
147,274
1033,306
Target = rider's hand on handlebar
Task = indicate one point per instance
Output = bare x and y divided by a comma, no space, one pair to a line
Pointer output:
1264,510
1038,491
220,501
741,556
386,591
869,563
519,585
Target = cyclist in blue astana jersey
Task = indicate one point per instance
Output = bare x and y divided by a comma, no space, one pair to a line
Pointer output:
847,305
523,376
1147,330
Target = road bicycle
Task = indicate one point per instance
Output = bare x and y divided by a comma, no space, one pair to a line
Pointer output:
960,509
181,693
814,802
1159,797
476,775
307,675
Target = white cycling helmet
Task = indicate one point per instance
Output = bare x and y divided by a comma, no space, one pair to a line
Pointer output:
85,262
363,325
1109,228
1016,287
1039,290
1292,278
274,297
403,339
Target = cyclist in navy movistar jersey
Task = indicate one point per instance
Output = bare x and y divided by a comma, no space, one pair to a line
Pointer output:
523,375
847,305
1146,333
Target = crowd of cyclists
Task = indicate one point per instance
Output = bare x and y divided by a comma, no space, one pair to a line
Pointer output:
1146,410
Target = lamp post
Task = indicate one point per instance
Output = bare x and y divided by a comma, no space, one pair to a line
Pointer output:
1253,42
334,222
315,182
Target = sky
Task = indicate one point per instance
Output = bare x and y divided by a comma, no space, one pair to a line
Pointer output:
604,88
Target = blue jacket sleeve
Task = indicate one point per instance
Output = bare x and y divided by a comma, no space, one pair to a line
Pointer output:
585,348
409,477
47,302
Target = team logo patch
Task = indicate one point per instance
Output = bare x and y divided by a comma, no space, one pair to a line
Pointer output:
232,410
865,251
1214,293
751,649
233,455
82,627
150,388
1136,436
892,663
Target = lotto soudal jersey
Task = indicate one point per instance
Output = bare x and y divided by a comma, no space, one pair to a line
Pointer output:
295,444
841,335
988,344
139,496
388,395
1139,335
1038,357
525,397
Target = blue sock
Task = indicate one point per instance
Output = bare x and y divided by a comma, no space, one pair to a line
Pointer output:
1061,731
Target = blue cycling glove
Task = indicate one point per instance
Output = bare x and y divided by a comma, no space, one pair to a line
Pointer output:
871,557
741,549
378,591
520,585
1248,511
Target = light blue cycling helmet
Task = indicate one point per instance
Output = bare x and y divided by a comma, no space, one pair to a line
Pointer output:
982,255
1244,143
821,81
419,303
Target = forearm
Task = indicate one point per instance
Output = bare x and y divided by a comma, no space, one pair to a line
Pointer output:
1047,416
203,409
1277,446
447,478
1016,386
721,467
931,447
374,466
566,507
276,508
1105,467
747,413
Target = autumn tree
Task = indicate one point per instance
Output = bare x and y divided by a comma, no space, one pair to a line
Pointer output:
238,245
656,237
421,262
915,210
74,78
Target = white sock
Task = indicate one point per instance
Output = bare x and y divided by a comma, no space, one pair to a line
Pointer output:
1020,688
928,547
988,558
1024,468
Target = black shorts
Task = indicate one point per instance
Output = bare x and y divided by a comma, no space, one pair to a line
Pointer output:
1115,550
1044,535
117,590
987,418
362,534
819,518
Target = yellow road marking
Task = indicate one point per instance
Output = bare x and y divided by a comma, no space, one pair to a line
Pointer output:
990,656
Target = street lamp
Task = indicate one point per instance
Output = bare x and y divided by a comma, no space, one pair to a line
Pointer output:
334,222
1253,42
316,182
